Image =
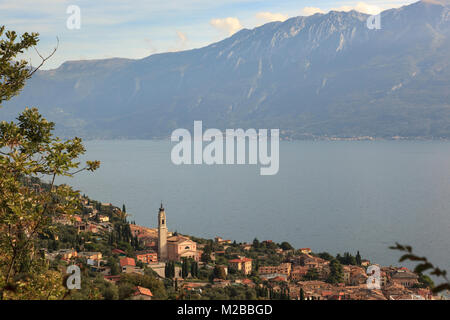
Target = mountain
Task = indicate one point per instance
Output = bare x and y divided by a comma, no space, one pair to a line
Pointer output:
326,74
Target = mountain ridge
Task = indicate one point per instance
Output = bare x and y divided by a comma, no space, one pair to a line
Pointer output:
321,75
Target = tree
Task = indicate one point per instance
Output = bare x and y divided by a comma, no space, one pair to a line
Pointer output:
286,246
29,150
302,294
185,268
219,273
206,255
336,273
194,269
311,274
425,281
358,259
169,270
13,72
256,243
326,256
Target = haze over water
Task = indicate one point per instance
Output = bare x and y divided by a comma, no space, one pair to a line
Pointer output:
330,196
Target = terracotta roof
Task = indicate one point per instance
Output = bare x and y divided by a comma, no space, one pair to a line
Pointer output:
278,279
127,262
118,251
143,291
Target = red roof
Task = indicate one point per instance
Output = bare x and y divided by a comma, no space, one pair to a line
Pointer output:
278,279
118,251
127,262
143,291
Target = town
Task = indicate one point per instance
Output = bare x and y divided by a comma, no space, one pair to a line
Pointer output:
122,260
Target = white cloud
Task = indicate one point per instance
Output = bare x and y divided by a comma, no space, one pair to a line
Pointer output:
229,25
270,16
181,41
361,7
309,11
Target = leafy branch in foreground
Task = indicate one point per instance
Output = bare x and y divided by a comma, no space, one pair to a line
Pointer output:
28,149
424,265
14,72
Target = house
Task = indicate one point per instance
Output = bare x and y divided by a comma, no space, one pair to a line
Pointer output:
405,278
96,256
132,269
147,256
298,272
103,218
247,282
67,254
127,262
305,250
159,268
365,263
242,264
224,268
101,269
128,265
219,240
284,268
142,293
354,275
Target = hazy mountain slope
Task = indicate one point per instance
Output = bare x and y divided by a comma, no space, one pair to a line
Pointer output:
322,75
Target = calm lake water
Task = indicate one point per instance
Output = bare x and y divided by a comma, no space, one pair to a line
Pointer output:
330,196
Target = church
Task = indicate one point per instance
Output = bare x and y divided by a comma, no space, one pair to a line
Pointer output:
173,248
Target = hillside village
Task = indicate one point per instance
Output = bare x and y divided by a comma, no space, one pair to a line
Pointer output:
122,260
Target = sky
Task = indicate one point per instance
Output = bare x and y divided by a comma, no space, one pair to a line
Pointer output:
138,28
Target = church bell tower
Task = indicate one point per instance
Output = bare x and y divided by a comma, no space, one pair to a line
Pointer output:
162,234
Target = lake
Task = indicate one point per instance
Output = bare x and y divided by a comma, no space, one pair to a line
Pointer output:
329,196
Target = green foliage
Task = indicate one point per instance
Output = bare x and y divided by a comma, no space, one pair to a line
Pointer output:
347,259
227,293
286,246
169,270
185,268
147,281
358,259
219,273
311,274
336,273
424,265
28,149
14,72
326,256
206,255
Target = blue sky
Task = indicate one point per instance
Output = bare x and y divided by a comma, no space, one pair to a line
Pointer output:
139,28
